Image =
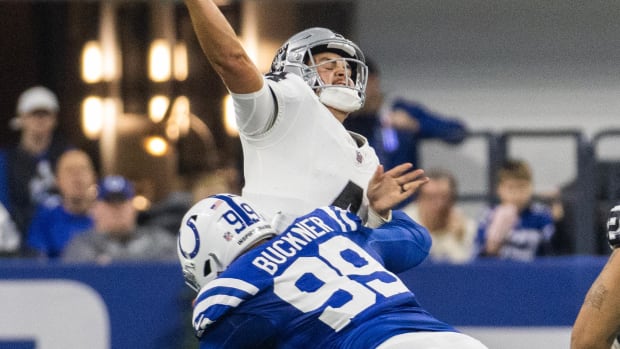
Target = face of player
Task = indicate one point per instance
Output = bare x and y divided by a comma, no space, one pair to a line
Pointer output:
517,192
333,69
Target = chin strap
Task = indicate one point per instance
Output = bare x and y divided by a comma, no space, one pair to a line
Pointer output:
341,98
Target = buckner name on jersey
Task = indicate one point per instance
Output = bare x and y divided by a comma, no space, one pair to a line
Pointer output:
290,242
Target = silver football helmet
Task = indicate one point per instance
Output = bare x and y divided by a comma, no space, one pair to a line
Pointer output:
296,56
213,233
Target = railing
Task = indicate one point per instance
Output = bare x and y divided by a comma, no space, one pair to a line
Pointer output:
588,193
580,220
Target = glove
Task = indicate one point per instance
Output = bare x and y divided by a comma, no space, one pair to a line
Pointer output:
613,227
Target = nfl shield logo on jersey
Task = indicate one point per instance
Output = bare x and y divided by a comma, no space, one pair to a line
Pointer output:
359,157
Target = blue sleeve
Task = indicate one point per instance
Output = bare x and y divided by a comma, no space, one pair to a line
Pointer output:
240,331
4,178
433,125
401,243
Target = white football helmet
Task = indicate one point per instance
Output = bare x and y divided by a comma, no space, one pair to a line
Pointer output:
214,232
296,56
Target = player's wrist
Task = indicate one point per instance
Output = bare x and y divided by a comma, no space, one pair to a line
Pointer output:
376,220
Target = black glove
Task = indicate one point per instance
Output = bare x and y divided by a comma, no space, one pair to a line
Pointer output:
613,227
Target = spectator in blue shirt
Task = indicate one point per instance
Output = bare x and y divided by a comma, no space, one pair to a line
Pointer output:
58,220
27,168
116,234
394,127
517,228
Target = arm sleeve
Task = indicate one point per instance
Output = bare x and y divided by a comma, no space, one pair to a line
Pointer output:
401,243
239,331
433,125
256,112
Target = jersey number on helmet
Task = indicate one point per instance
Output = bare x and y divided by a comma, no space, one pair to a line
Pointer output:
345,276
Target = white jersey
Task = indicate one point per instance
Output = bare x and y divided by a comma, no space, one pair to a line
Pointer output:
297,155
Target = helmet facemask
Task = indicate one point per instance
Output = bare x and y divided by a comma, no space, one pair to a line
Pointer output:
348,96
297,56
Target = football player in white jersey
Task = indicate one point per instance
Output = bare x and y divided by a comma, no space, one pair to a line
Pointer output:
297,153
325,282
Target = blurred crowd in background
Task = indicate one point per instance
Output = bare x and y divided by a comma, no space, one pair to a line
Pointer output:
56,206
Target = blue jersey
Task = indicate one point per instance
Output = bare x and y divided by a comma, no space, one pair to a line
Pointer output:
325,282
53,227
530,237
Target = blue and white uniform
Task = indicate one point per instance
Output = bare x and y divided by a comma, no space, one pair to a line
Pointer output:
325,282
297,155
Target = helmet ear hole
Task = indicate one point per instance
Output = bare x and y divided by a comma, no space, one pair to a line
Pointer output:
213,265
210,237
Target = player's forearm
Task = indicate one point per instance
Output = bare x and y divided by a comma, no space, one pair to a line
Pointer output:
598,321
222,47
595,343
590,332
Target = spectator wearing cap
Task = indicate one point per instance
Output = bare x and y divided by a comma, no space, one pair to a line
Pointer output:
26,169
116,235
59,219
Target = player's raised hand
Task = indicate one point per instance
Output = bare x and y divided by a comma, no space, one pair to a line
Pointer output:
387,189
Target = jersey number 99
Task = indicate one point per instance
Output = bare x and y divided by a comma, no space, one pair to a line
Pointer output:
333,271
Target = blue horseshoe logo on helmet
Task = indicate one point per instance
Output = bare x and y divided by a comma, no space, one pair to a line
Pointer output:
191,224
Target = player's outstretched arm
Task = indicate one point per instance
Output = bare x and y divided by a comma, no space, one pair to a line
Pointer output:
223,48
401,243
598,322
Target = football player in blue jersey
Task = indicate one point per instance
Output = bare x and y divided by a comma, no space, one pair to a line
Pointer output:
297,154
326,281
598,323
